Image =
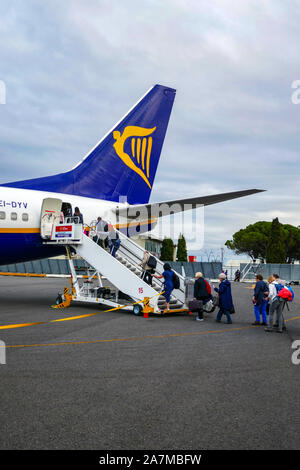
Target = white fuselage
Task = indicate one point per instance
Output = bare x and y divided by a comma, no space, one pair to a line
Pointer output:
20,220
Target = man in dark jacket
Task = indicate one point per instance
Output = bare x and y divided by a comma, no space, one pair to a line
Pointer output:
225,299
261,292
201,293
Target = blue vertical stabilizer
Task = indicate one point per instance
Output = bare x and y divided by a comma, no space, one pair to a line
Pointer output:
124,163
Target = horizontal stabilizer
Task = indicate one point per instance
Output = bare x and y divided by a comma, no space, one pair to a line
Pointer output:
161,209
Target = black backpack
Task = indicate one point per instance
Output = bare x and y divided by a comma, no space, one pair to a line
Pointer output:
176,281
152,262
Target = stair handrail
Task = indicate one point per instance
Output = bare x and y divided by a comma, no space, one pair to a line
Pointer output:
134,254
139,253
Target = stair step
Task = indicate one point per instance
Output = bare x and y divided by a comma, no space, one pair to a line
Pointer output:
163,301
134,270
176,310
172,307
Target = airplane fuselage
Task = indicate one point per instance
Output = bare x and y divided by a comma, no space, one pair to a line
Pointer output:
20,220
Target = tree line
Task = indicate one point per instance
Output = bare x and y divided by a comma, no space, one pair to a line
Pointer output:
168,247
270,242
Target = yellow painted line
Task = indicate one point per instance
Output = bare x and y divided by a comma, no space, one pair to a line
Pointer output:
134,338
140,338
41,275
293,318
21,325
23,274
75,318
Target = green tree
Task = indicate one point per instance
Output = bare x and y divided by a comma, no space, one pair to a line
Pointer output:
181,249
252,240
256,238
291,236
167,250
276,249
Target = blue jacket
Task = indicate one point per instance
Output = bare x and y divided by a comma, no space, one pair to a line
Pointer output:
225,295
259,291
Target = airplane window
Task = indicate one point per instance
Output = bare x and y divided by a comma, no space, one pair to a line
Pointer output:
25,217
13,216
2,215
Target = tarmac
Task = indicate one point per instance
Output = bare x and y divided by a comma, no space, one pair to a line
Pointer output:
114,381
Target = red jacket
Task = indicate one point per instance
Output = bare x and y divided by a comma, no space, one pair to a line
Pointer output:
208,287
285,294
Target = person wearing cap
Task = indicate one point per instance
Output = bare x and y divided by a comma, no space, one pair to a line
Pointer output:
225,299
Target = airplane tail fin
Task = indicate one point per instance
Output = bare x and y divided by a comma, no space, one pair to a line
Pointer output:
124,163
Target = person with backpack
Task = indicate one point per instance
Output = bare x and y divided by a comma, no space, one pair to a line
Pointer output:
113,241
168,276
102,233
276,304
202,292
148,264
261,292
277,278
225,299
270,280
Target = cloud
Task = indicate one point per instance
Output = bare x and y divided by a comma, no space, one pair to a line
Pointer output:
72,69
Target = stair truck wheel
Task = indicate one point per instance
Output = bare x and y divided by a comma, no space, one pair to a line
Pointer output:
137,309
59,299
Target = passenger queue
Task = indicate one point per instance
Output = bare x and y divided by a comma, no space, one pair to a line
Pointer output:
269,298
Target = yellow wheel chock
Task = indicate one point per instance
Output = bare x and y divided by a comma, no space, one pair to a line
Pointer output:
68,298
147,309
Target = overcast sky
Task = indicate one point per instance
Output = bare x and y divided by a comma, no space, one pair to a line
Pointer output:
73,68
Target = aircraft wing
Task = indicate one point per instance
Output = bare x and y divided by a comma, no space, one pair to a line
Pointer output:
160,209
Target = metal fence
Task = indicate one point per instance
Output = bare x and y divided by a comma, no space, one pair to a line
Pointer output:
61,266
43,266
187,269
287,272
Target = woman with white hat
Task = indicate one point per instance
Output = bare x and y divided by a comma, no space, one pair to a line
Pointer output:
225,299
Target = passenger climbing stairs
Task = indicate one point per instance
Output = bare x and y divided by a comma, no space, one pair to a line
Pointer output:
112,281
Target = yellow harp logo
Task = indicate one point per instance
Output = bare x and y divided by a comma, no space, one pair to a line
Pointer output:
141,146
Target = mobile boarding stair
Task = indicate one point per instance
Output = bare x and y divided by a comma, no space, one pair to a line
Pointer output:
114,282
